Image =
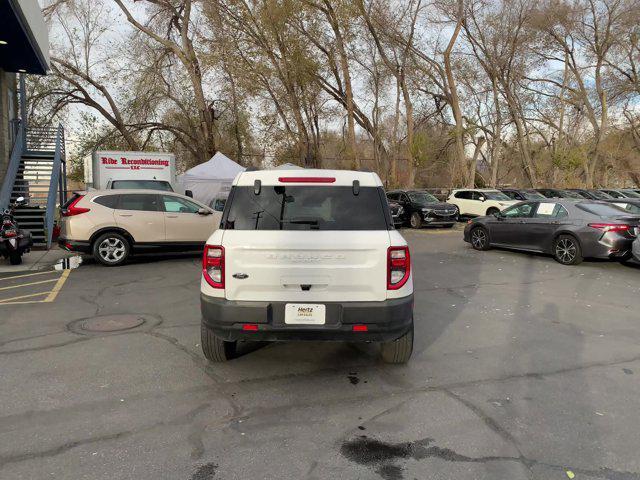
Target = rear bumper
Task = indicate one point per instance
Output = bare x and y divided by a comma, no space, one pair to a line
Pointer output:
74,245
385,320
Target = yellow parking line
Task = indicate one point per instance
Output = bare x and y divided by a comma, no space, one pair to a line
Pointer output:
28,284
58,286
28,275
8,300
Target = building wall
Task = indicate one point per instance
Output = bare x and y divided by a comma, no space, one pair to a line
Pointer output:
8,112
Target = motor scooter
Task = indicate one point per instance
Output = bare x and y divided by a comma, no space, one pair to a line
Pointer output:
14,242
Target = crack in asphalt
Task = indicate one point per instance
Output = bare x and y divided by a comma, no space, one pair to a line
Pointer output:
185,419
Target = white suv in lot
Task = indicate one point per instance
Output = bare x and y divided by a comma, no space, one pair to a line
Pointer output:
307,255
479,202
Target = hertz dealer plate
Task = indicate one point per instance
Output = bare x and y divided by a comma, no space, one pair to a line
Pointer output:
304,314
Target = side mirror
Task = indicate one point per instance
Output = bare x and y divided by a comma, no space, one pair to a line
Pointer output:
188,193
482,199
204,211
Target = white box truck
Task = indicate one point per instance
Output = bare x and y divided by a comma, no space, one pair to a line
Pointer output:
146,170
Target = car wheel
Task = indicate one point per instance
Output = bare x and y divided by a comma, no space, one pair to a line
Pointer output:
214,348
15,258
492,210
416,221
567,251
480,238
399,351
111,249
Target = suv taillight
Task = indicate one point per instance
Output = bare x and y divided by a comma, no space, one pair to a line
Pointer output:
213,265
72,210
398,267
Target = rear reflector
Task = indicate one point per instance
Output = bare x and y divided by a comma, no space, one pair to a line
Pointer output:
306,179
250,327
611,227
360,328
213,265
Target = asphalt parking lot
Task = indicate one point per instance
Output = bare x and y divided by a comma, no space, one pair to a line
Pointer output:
523,369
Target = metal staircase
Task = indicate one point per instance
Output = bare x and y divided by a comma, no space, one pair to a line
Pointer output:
37,171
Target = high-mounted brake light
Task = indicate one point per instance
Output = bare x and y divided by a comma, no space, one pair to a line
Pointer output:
213,265
307,179
611,227
72,210
398,267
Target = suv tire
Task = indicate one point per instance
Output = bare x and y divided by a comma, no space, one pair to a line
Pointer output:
214,348
111,249
415,220
567,251
15,258
399,351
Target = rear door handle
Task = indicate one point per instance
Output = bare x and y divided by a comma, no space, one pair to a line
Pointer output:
126,214
172,216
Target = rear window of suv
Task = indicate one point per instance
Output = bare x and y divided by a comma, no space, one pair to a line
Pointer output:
306,208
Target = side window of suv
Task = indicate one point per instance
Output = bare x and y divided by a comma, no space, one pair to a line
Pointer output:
463,195
178,205
109,201
138,201
477,196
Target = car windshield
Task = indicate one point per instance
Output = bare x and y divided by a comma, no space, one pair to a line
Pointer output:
532,195
306,208
142,185
422,198
571,194
600,195
495,195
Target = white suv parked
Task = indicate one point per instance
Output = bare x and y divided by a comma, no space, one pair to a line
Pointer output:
479,202
307,255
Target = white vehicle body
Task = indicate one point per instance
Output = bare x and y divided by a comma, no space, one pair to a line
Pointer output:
477,202
107,168
335,270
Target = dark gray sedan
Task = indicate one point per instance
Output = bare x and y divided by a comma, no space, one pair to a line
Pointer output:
568,229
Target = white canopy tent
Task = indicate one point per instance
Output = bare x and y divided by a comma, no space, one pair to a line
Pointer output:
210,179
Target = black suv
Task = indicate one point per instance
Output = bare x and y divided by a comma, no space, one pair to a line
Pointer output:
421,208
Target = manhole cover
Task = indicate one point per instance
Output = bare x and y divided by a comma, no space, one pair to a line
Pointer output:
111,324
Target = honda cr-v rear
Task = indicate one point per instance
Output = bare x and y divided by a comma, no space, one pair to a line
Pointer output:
307,255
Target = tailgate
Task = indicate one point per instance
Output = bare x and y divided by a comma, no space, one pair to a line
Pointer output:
306,266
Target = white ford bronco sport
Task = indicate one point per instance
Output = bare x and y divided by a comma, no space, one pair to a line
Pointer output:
307,255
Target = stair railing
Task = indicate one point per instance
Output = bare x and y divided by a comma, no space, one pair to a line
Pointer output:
56,184
12,168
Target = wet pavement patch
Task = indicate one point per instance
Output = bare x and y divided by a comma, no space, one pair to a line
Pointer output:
112,324
353,378
628,371
205,472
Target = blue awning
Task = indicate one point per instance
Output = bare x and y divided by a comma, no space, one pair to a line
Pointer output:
24,41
